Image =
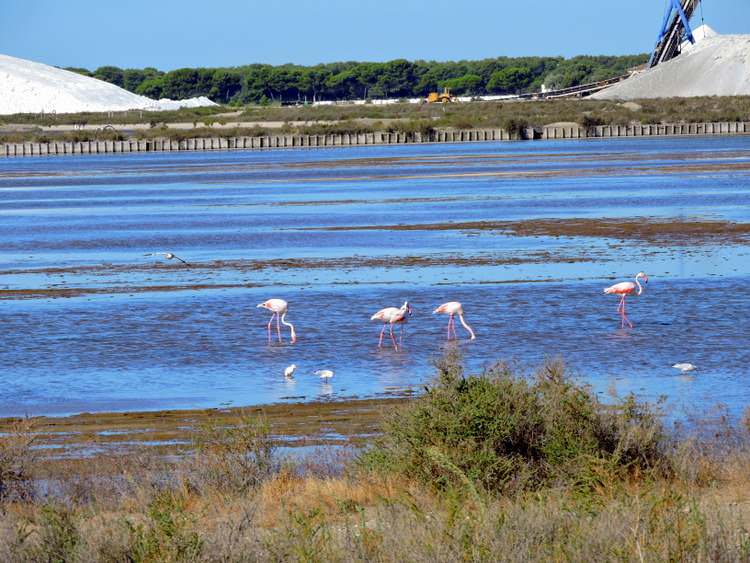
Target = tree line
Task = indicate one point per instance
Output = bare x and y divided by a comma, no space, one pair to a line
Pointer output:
260,83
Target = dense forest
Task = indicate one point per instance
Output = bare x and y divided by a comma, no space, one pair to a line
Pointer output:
400,78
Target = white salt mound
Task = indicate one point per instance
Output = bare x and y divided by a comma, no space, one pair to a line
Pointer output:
716,65
31,87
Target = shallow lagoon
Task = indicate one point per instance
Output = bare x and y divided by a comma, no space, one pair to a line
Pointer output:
90,324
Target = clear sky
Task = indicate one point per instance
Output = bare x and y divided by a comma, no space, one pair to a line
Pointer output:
169,34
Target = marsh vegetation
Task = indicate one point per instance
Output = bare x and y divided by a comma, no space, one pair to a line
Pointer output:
504,465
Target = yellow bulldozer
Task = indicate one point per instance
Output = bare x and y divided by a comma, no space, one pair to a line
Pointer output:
443,97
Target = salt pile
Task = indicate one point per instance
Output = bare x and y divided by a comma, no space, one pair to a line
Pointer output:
31,87
716,65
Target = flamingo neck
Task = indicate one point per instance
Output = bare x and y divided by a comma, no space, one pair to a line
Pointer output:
466,326
290,325
638,283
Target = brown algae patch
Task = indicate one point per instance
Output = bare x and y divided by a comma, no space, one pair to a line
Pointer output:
613,168
647,229
344,263
350,421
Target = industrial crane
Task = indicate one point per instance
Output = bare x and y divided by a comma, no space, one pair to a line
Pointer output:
675,29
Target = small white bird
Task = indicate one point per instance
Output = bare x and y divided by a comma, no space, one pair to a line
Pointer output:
167,255
289,371
324,373
684,367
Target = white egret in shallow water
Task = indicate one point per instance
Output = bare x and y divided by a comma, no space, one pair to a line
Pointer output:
324,373
289,371
684,367
167,255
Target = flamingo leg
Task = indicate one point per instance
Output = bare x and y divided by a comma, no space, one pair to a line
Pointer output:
382,332
393,339
270,322
450,318
453,326
278,325
620,311
624,315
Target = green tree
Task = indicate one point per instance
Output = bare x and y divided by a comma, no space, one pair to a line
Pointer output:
111,74
225,85
152,88
466,84
396,78
133,77
348,80
510,80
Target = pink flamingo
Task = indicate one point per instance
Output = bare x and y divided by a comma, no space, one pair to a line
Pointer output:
391,316
624,289
453,308
279,308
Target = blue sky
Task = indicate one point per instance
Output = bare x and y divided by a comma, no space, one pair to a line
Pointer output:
170,34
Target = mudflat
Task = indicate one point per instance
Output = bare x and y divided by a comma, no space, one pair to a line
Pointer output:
170,432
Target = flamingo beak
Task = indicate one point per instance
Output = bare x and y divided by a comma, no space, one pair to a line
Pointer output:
409,309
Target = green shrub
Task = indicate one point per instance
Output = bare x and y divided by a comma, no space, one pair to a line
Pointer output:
233,457
58,535
503,432
168,535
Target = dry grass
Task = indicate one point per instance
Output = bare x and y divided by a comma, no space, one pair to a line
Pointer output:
347,519
407,118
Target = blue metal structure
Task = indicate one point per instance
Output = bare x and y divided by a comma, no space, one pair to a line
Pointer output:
676,16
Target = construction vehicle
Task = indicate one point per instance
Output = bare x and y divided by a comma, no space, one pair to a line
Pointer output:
443,97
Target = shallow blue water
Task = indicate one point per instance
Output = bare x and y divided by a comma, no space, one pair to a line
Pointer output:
128,332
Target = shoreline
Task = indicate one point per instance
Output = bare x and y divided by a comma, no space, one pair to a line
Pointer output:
382,138
169,432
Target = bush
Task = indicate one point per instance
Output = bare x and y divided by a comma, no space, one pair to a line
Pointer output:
168,534
236,457
58,536
506,433
421,126
16,460
516,127
588,120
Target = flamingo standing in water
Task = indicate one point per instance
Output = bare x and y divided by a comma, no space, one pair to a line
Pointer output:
279,308
389,317
451,309
624,289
